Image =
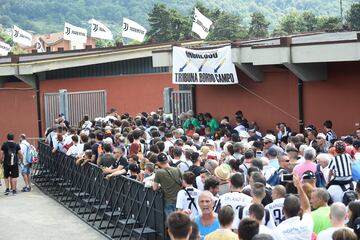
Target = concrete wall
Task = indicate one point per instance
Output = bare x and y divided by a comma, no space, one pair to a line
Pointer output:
335,99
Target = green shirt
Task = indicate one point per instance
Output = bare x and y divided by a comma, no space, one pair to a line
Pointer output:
321,217
213,124
193,121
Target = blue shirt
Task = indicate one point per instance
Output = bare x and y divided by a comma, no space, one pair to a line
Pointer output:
205,230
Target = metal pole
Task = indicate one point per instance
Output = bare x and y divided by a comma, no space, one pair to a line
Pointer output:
301,105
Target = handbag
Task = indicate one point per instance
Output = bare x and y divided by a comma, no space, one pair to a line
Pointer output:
1,171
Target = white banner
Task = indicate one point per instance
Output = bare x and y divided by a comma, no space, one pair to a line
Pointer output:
4,48
201,24
99,30
133,30
22,37
75,34
210,67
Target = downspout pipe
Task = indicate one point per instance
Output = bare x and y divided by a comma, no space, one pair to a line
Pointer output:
38,107
193,98
301,105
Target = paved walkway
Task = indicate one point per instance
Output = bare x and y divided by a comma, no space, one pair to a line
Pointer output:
35,216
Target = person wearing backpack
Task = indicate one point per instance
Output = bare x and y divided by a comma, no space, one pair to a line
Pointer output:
11,155
27,163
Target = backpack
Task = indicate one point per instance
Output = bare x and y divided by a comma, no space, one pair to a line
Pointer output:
349,194
34,155
12,155
27,155
320,179
275,178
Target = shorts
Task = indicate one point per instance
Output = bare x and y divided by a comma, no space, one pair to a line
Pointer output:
26,169
11,171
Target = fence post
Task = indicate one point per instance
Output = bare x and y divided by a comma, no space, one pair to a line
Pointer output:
167,100
63,103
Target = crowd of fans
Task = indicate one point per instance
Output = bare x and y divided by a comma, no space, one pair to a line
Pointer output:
225,181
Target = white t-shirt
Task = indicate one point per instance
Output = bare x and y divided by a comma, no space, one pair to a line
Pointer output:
24,147
199,183
275,209
294,228
245,213
235,200
68,139
327,233
184,201
75,150
265,230
167,144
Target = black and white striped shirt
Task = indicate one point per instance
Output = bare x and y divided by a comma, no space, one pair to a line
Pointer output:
341,165
330,135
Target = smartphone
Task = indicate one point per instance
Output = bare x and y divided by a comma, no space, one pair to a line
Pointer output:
286,178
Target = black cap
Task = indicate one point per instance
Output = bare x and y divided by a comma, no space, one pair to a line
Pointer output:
356,144
162,157
308,175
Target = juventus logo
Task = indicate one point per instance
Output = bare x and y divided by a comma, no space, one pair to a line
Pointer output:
67,30
16,34
38,45
194,17
96,27
126,27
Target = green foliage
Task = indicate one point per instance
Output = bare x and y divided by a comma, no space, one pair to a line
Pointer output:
330,24
258,26
168,24
353,17
5,37
296,22
101,43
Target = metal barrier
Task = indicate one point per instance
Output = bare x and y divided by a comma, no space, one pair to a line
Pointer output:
118,208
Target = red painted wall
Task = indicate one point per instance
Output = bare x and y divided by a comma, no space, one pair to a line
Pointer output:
132,93
336,99
333,99
18,111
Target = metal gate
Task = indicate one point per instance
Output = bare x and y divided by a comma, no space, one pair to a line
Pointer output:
177,102
74,105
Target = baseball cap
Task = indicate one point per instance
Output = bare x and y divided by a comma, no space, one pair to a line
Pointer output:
269,138
210,142
162,157
356,144
308,175
321,135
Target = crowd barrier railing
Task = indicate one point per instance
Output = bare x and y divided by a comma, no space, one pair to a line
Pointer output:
118,207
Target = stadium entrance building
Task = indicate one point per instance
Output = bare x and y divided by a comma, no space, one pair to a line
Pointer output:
300,80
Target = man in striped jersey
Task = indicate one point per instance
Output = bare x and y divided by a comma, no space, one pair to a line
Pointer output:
340,170
330,134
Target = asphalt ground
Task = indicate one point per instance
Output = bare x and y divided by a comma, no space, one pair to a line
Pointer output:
35,216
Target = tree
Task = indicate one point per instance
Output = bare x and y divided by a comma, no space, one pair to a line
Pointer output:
227,27
168,24
308,22
290,23
330,24
353,17
258,26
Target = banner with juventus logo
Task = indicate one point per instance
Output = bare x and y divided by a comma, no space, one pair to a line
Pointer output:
133,30
22,37
99,30
75,34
